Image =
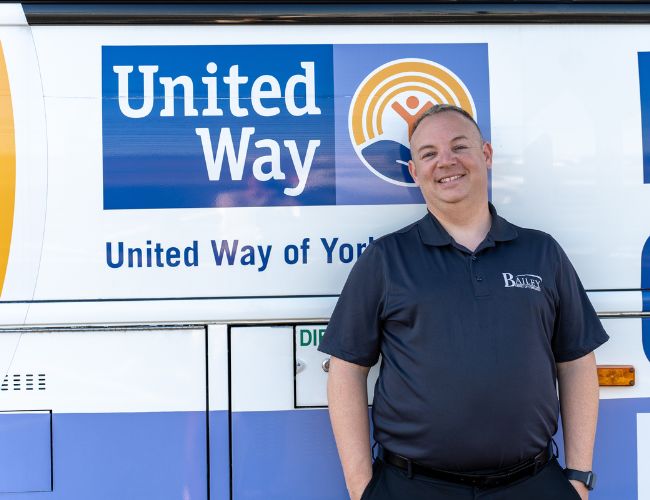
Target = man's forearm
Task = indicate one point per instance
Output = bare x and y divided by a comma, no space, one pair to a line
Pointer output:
579,393
578,387
348,406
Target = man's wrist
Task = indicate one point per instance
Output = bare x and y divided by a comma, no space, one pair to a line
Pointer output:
586,478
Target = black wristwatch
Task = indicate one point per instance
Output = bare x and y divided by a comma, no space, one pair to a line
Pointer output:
588,478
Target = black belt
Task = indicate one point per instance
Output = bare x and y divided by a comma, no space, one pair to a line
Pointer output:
499,477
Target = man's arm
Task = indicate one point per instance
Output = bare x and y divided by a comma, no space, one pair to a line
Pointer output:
578,387
347,396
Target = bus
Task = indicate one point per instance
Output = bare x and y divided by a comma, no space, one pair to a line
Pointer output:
185,187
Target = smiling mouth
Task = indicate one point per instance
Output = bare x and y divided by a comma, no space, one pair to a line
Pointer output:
452,178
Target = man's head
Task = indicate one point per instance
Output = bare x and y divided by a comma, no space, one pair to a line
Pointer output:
436,109
450,159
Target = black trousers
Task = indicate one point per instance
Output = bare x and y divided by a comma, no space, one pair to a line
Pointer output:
391,483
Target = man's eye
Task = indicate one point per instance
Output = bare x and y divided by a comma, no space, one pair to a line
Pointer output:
429,154
460,147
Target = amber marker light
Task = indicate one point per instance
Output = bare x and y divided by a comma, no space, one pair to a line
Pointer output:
616,375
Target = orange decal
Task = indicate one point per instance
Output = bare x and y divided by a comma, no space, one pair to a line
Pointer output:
383,85
7,168
385,92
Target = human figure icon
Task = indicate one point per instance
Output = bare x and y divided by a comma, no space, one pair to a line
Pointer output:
413,112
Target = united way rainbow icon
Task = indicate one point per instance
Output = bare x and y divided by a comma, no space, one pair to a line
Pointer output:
386,105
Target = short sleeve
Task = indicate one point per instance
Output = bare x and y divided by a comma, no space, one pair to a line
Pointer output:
577,330
354,331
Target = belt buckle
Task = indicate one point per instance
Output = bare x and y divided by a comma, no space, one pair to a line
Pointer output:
483,481
491,481
477,480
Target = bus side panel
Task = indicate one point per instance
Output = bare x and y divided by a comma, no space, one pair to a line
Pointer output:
278,452
128,410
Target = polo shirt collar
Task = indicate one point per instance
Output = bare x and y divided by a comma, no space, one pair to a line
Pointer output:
501,229
432,232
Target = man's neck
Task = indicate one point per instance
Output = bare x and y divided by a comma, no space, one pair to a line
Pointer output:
467,225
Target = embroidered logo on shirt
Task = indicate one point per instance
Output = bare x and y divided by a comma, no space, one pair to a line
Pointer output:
531,281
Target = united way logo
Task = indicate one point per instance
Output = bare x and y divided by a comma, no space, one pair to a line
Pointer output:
387,104
275,125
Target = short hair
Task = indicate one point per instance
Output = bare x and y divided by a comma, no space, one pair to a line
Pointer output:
445,108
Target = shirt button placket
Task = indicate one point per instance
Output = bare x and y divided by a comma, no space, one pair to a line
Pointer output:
478,277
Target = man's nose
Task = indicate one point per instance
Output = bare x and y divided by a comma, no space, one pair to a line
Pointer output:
446,157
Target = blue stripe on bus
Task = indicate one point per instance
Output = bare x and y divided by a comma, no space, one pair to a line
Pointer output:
25,452
276,455
291,454
285,455
219,456
615,456
615,453
127,456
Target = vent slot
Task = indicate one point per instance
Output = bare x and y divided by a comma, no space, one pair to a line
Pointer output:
23,382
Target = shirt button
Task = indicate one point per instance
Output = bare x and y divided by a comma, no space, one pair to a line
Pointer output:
479,278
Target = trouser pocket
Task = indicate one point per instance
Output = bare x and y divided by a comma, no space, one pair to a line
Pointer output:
562,479
377,467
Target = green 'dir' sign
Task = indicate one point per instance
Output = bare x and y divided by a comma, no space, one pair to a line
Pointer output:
311,336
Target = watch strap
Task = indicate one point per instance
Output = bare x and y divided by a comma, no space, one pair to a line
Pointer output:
588,478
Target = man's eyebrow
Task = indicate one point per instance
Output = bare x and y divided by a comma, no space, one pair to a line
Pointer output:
431,146
426,146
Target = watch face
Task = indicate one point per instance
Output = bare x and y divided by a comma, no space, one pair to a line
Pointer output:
591,480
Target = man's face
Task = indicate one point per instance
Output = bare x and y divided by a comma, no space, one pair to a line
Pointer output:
450,162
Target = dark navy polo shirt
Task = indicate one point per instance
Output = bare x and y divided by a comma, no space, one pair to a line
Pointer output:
469,341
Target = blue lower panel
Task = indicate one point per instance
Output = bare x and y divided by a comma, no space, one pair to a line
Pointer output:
615,458
276,455
25,452
285,455
219,456
615,453
127,456
291,454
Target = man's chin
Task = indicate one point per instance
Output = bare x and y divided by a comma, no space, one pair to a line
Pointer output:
450,199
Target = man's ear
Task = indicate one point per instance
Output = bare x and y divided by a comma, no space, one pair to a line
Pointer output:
487,154
412,171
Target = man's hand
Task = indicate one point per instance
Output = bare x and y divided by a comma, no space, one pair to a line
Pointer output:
581,489
356,490
347,395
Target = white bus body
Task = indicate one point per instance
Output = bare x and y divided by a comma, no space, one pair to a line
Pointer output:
180,206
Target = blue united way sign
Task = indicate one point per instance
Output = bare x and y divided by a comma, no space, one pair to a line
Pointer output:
220,126
274,125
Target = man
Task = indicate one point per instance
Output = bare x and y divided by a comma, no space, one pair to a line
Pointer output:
474,318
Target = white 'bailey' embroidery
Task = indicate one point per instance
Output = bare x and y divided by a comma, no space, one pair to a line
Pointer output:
531,281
